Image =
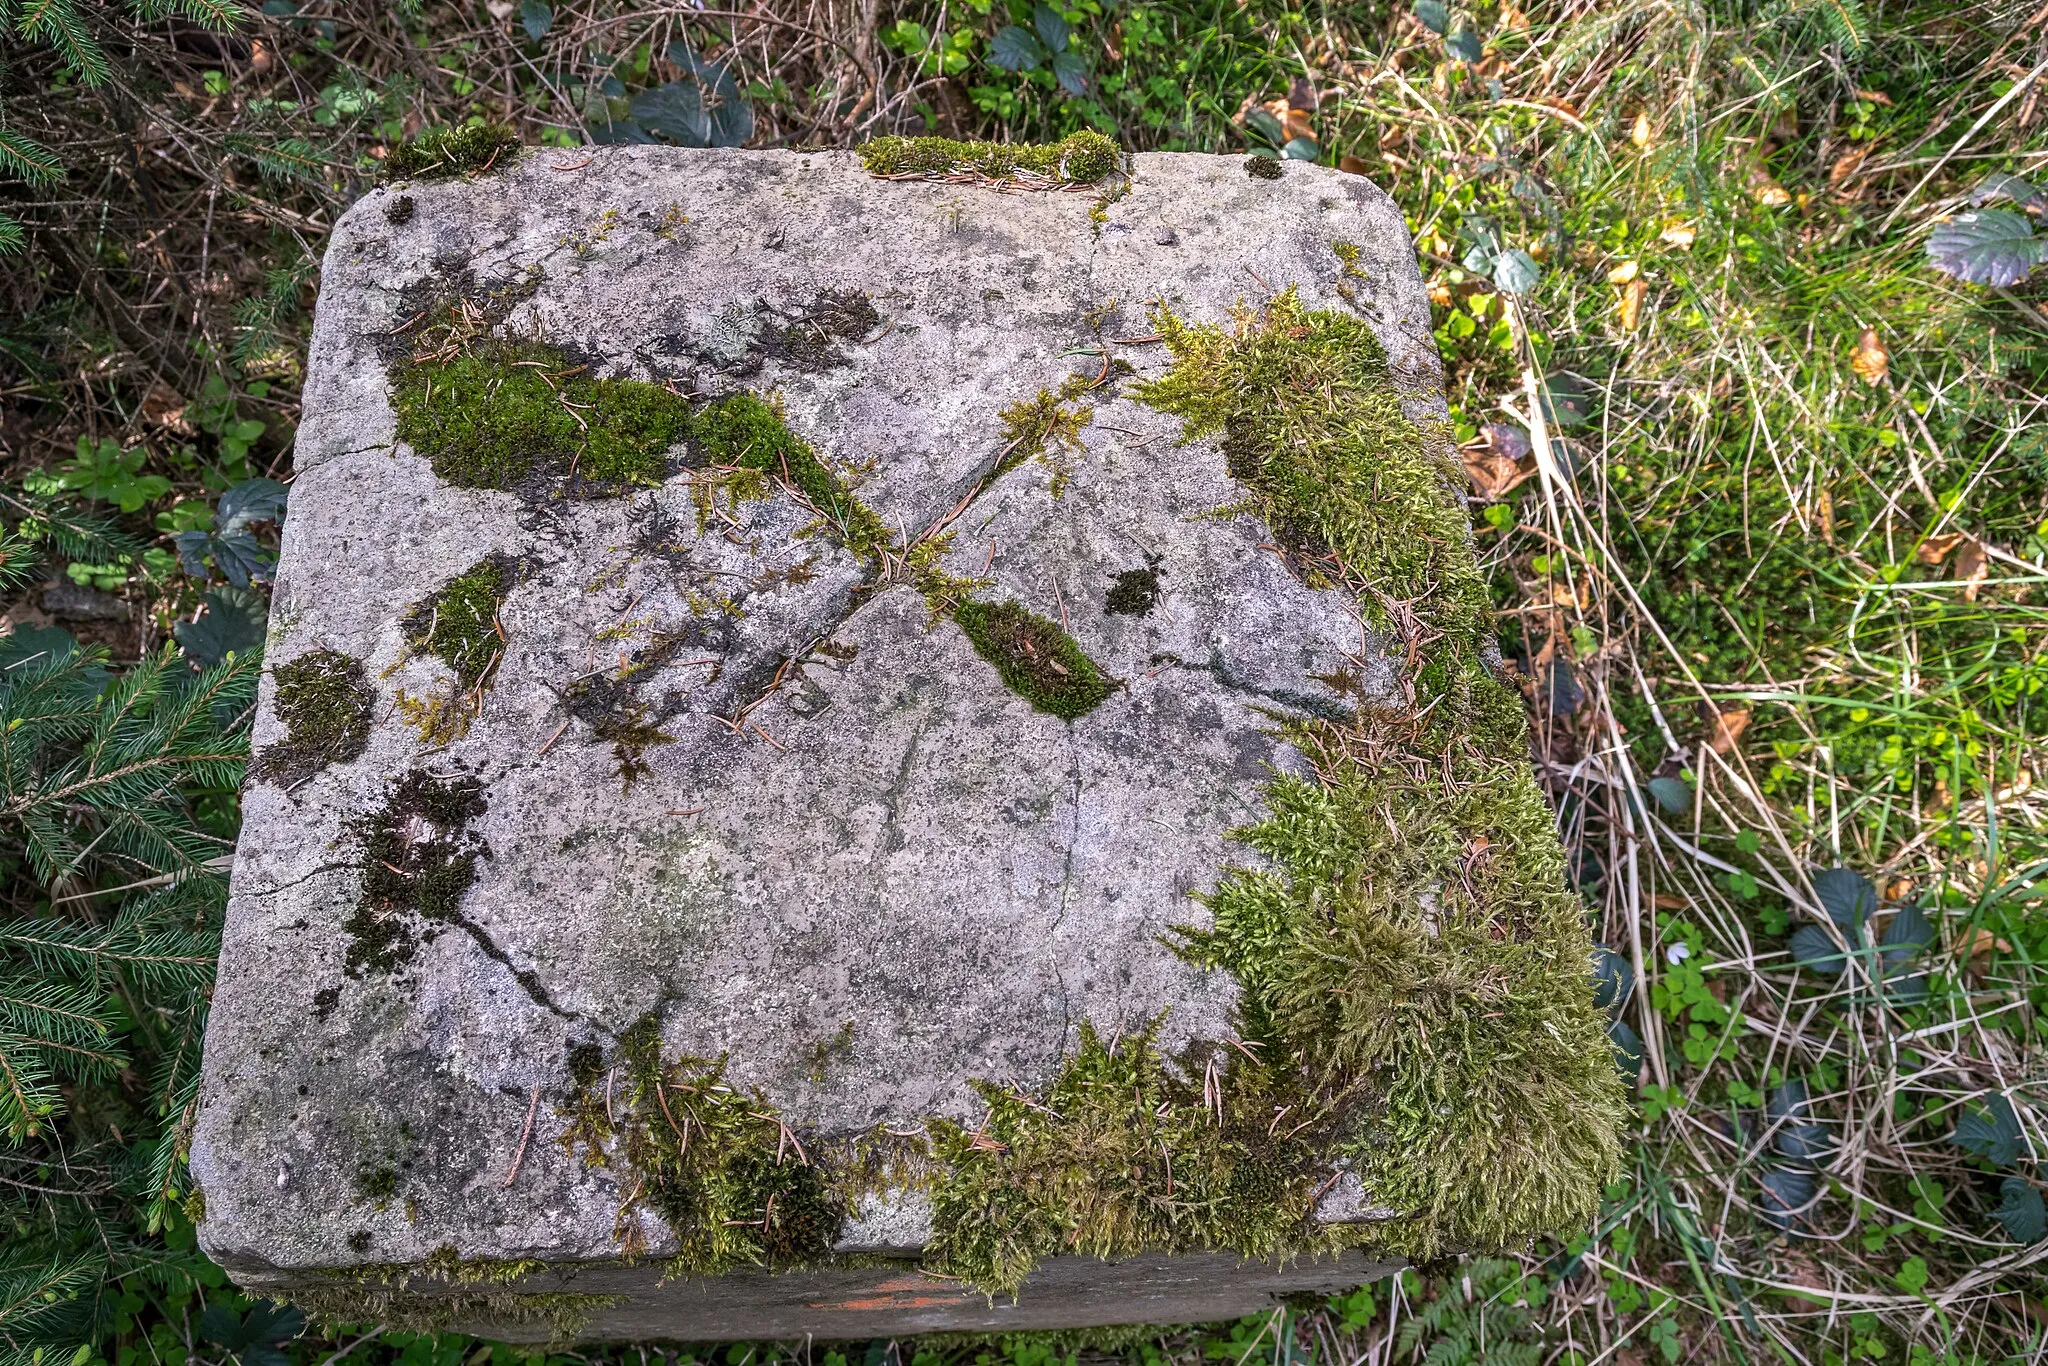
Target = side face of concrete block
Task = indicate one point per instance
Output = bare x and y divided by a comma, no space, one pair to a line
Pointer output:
724,772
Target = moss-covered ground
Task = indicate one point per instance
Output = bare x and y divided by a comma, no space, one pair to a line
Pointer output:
1036,659
746,432
418,861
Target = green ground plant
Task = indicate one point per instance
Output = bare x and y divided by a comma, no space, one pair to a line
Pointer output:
1760,500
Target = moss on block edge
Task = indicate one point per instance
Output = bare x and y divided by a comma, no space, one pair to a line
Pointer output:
326,704
435,153
1415,972
1078,159
739,1192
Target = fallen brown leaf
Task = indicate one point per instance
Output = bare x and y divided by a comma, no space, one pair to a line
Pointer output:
1639,131
1665,901
1935,549
1724,726
1972,566
1493,471
1875,97
164,407
1680,235
1352,165
1870,359
1978,949
1631,306
1846,165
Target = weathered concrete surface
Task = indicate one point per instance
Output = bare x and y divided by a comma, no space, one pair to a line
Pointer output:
905,877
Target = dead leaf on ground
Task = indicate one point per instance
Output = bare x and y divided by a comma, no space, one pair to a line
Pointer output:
1846,165
1767,191
1972,566
1935,549
1978,949
164,407
1875,97
1725,726
1352,165
1665,901
1631,306
1639,132
1302,95
1680,235
1495,465
1870,359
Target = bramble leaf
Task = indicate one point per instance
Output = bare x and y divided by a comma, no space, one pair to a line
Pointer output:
1990,247
1017,49
2021,1210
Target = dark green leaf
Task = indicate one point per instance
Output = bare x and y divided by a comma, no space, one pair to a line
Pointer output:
1813,948
250,502
1017,49
1464,45
1988,247
536,17
2021,1210
234,623
675,112
1071,68
1628,1049
1847,896
1785,1193
1301,149
1566,400
1673,794
1991,1132
2002,186
1516,271
1052,28
1906,931
1262,124
1613,978
1434,15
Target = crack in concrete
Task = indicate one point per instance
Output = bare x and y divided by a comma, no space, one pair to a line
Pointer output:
1218,669
525,977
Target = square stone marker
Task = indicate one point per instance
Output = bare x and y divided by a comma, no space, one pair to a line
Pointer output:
892,875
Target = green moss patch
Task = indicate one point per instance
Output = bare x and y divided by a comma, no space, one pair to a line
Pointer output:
1078,159
1123,1155
747,433
1133,593
496,415
733,1183
460,622
1047,427
326,704
1037,660
438,152
419,861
